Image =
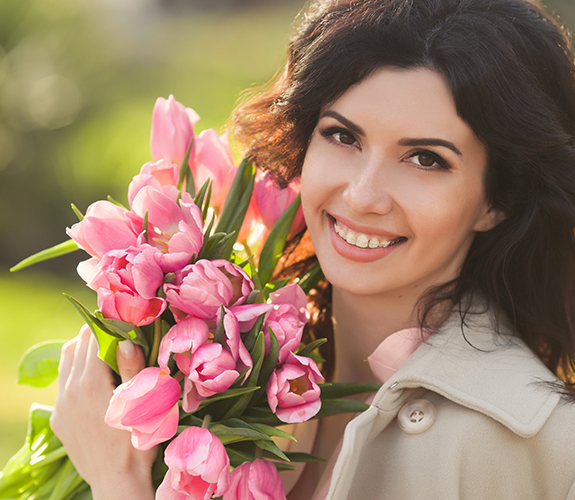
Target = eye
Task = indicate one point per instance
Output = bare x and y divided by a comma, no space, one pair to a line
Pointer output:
339,135
429,160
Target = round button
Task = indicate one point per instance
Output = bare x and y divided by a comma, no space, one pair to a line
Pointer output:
416,416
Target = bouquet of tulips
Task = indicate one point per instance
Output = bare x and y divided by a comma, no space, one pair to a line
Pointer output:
223,342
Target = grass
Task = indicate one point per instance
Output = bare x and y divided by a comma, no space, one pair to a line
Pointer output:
32,309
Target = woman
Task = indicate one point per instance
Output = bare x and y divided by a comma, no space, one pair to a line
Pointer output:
434,140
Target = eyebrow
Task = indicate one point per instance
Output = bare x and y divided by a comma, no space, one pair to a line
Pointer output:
426,141
430,142
349,124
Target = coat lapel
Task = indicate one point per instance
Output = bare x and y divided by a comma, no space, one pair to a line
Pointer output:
495,374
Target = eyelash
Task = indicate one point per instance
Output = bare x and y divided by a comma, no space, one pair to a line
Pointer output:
330,132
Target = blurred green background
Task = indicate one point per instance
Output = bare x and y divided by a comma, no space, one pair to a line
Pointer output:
78,81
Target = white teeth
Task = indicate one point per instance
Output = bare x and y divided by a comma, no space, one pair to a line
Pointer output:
361,240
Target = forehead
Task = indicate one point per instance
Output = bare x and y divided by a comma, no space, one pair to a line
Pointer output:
411,102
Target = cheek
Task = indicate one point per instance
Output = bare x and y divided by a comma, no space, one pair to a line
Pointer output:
313,187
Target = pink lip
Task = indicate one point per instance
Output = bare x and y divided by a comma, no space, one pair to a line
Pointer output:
357,254
358,228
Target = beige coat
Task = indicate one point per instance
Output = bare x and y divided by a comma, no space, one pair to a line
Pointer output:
498,433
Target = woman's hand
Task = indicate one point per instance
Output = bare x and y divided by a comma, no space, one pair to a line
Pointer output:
103,456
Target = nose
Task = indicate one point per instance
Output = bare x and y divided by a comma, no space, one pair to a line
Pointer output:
369,188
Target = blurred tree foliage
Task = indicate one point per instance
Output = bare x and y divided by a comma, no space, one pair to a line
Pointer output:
78,80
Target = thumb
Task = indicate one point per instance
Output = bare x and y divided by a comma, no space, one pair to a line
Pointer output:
130,360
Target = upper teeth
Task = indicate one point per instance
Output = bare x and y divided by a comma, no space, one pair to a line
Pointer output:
359,239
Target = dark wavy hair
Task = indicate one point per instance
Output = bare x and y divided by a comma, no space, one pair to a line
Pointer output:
510,68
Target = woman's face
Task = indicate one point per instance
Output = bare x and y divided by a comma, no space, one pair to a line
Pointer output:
392,185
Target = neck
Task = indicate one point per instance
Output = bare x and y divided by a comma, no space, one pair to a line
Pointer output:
361,323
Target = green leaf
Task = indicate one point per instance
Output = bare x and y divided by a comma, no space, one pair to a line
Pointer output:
115,202
282,466
206,204
271,447
311,278
145,227
107,339
275,242
303,457
268,367
307,350
50,253
239,213
250,339
199,199
257,355
190,183
272,431
218,246
39,426
331,407
261,415
231,205
209,227
126,331
184,169
254,274
79,214
230,393
235,433
68,480
238,455
333,390
38,366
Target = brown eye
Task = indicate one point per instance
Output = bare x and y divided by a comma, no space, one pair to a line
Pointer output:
429,161
344,138
426,160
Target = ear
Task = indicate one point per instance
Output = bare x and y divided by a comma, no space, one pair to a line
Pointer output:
490,219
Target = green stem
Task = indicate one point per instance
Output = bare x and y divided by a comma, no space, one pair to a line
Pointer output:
255,276
50,457
156,344
206,422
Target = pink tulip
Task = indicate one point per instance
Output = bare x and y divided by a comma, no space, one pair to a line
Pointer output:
172,130
174,227
210,370
158,175
271,201
183,339
202,288
126,282
213,159
147,406
104,227
257,480
293,393
210,366
199,467
287,319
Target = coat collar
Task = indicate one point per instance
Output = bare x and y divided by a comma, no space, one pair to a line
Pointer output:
471,365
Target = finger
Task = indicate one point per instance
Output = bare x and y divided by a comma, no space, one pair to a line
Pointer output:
65,365
130,360
79,360
96,368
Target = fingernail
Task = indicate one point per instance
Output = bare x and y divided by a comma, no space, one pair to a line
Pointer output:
127,349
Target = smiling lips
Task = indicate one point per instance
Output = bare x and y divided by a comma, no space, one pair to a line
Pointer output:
362,240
